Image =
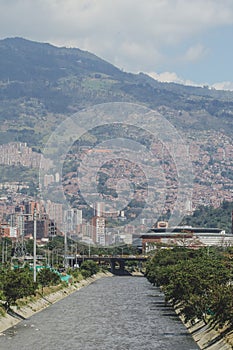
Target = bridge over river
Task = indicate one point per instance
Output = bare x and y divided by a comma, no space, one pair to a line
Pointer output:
117,263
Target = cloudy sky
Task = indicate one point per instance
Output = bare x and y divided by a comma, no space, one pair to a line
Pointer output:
187,41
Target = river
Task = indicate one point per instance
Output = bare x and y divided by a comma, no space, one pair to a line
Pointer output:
115,313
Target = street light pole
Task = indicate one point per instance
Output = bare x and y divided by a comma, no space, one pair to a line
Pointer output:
34,247
65,252
3,245
89,249
76,252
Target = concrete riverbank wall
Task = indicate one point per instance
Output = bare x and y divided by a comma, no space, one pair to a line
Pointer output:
207,337
31,308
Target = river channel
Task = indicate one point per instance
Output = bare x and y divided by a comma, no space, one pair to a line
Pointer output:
115,313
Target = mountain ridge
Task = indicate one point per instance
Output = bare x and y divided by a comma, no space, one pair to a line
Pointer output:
42,82
41,85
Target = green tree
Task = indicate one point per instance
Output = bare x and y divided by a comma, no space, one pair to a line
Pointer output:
89,268
17,284
47,277
192,280
222,305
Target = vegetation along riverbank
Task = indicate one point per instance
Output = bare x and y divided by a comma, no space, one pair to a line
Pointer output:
21,297
198,283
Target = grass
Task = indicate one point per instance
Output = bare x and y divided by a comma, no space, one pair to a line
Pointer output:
97,84
2,310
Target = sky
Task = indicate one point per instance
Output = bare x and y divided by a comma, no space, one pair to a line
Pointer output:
186,41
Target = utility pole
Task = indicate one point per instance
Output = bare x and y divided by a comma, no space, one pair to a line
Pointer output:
2,251
89,249
52,262
34,247
76,252
48,257
65,253
6,253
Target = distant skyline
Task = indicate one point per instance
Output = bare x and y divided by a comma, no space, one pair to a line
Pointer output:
186,41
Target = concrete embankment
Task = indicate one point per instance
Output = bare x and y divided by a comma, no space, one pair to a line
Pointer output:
31,308
207,337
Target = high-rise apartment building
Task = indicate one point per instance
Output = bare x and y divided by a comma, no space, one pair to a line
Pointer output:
98,230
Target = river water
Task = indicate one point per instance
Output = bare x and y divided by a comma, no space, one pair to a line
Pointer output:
114,313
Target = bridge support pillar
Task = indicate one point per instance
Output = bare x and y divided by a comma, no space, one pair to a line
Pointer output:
113,266
122,266
116,270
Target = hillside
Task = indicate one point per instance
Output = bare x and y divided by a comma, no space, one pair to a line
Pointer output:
212,217
40,85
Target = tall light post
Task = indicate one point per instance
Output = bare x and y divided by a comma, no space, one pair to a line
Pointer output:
65,249
76,252
34,247
89,248
3,245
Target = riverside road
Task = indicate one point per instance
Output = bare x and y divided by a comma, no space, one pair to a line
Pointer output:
115,313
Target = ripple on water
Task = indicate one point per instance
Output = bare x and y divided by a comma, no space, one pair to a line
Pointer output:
118,313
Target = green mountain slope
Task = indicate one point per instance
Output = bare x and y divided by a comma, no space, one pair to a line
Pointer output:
40,84
212,217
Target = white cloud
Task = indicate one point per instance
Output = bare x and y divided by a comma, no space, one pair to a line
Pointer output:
117,30
109,27
195,53
225,85
171,77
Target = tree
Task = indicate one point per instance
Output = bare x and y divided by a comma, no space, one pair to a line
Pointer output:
198,282
17,284
222,305
89,268
47,277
